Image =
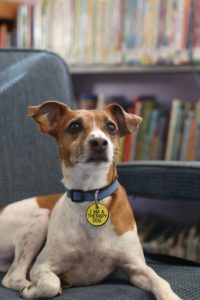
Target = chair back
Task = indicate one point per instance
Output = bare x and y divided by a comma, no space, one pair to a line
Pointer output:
29,163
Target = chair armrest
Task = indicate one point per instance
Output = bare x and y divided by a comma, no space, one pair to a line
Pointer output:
165,180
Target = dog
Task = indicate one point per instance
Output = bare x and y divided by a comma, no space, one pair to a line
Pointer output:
78,238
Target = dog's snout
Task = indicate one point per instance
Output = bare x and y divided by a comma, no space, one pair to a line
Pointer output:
98,144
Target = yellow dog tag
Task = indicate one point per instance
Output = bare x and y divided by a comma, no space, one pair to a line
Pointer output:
97,214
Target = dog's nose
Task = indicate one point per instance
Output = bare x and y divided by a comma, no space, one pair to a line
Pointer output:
98,144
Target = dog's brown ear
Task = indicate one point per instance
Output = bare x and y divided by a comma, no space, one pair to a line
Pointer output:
48,115
127,123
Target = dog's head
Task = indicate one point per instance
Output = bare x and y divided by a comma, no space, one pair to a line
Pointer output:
84,137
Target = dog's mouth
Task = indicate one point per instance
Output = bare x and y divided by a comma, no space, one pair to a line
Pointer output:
97,160
94,159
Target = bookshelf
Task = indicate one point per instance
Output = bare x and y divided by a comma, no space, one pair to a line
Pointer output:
171,69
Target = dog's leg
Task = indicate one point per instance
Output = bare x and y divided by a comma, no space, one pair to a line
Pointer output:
46,283
146,278
133,262
27,244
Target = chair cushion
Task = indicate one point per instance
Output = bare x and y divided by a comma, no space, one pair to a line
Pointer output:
183,279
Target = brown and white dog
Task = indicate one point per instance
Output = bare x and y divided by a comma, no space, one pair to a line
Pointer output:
73,252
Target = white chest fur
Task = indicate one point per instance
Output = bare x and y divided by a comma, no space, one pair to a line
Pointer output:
81,251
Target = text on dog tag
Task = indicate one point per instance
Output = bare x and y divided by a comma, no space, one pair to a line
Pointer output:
97,214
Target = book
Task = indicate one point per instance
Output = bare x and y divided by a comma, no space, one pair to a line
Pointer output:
165,49
161,32
191,139
130,10
148,47
177,131
101,32
151,134
186,32
84,19
3,35
120,152
196,32
186,109
171,131
178,47
197,146
186,133
25,26
115,29
161,129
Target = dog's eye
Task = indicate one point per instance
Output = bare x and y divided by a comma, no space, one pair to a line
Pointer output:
111,128
75,127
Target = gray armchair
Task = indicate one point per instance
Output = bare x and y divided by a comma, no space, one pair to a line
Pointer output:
29,166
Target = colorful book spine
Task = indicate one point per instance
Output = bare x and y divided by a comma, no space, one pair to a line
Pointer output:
197,146
186,133
177,131
196,32
150,134
130,9
120,153
191,140
171,131
186,36
115,32
3,35
149,31
162,127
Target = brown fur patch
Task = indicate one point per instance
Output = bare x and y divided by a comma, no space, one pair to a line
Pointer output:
1,209
112,174
121,214
48,201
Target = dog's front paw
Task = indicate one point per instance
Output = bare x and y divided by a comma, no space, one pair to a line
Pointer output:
175,297
27,292
171,296
31,292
